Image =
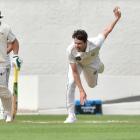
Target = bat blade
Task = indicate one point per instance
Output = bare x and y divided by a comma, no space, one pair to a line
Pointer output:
15,94
15,99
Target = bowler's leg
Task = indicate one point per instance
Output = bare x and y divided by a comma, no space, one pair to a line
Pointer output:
91,76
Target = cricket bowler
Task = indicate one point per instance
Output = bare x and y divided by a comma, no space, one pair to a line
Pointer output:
83,56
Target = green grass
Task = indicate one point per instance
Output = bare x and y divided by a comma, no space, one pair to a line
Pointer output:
88,127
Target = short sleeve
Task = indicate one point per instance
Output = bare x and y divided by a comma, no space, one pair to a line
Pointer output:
99,40
70,57
11,37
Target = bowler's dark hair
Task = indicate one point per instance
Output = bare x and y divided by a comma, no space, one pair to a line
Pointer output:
80,35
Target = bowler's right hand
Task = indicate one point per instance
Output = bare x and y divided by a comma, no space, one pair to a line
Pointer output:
83,97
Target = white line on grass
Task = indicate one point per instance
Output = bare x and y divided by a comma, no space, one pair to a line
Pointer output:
107,121
42,122
86,122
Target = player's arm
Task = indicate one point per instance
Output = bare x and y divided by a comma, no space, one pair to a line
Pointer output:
78,82
16,60
9,48
110,27
13,46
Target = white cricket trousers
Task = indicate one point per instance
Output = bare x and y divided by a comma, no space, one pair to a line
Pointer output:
91,76
5,94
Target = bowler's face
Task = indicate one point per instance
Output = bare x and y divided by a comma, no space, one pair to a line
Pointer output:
79,45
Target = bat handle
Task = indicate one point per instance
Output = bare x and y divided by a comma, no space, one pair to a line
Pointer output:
15,74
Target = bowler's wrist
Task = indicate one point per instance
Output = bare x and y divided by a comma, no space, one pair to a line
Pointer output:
81,90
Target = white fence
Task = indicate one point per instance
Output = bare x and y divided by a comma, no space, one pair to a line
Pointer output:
37,95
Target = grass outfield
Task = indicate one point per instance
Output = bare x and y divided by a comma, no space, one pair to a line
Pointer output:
88,127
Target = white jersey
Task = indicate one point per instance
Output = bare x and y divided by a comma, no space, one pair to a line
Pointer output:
90,56
6,36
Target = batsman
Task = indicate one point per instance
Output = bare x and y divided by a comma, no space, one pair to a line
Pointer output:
8,43
83,56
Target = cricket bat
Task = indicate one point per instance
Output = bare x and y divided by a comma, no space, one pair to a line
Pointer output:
15,93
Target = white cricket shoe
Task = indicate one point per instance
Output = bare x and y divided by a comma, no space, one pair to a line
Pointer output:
8,118
70,119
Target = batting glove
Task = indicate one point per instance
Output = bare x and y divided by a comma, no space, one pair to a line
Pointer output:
16,61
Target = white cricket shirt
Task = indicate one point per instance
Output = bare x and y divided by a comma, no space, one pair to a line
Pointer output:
6,36
90,56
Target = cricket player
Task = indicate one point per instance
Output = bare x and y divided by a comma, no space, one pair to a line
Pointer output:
83,56
8,43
